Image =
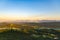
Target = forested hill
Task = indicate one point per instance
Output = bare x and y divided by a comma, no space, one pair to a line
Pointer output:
46,24
51,24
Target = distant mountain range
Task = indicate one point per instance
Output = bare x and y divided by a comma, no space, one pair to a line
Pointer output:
37,21
49,21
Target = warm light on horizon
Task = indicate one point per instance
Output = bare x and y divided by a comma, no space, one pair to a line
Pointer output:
27,18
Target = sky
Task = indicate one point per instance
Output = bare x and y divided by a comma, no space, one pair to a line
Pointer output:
29,10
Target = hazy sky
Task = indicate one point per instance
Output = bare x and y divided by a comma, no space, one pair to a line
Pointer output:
29,9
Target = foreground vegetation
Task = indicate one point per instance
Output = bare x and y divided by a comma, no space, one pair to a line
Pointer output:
35,34
28,31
